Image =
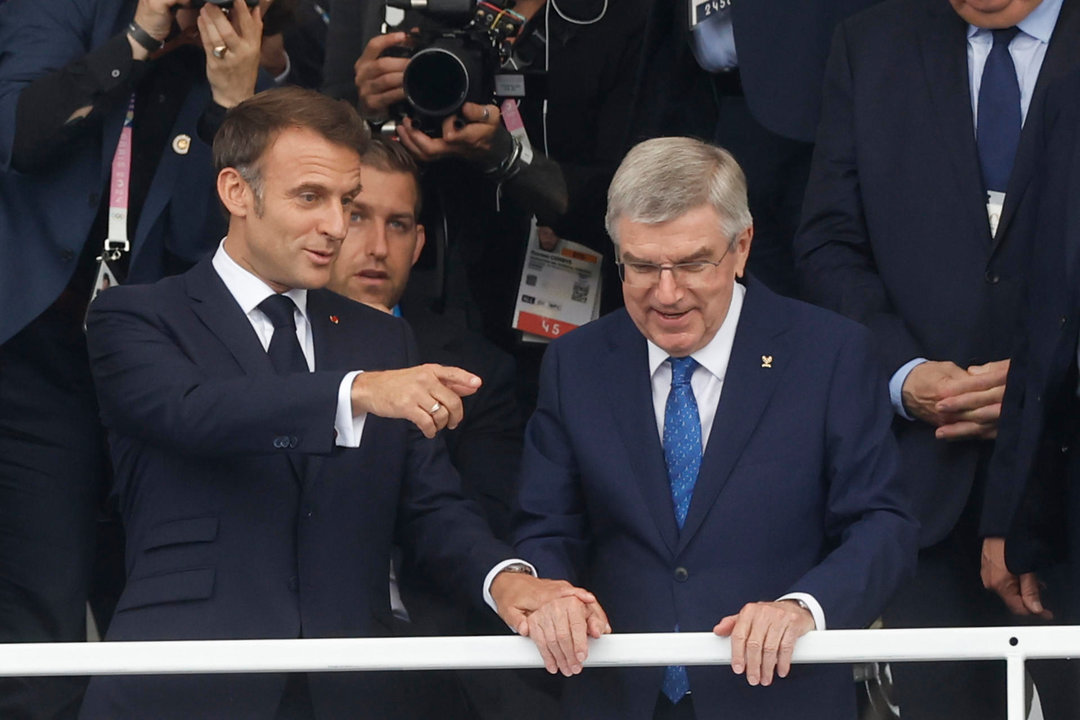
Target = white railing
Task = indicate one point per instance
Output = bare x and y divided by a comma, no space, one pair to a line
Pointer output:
1012,644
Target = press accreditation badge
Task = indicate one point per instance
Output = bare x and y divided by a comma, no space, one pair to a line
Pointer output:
995,203
559,289
702,10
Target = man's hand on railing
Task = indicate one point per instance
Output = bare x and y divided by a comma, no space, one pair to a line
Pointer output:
1021,594
558,616
763,637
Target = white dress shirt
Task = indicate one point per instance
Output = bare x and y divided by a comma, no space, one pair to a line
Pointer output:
249,291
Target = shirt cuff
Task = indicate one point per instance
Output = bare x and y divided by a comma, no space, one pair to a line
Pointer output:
348,429
811,604
896,386
491,578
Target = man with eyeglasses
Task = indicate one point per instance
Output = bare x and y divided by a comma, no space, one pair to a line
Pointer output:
712,458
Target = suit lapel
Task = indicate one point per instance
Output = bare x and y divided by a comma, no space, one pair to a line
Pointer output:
630,391
944,52
219,312
1061,57
748,386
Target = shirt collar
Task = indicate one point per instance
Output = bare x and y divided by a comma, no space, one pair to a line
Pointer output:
246,288
1039,23
715,355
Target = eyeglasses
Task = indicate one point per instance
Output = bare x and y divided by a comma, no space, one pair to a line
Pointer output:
685,274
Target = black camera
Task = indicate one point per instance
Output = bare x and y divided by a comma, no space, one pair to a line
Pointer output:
456,63
223,4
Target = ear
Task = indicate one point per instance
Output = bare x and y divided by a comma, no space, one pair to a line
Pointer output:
742,250
235,193
420,238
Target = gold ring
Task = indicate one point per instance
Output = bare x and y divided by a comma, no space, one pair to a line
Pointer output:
219,51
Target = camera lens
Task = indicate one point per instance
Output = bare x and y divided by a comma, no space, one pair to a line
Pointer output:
436,82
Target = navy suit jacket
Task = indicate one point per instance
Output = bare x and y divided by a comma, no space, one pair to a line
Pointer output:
796,493
1026,497
227,535
895,232
782,46
46,214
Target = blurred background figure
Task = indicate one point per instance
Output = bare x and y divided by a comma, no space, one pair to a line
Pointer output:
745,75
914,225
486,177
107,110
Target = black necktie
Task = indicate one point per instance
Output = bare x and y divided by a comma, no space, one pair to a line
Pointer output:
284,350
999,118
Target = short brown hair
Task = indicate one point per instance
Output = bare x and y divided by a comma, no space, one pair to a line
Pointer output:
251,127
389,156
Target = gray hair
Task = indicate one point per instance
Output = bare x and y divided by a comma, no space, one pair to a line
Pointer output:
664,178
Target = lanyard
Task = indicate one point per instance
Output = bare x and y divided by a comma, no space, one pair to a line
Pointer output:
116,239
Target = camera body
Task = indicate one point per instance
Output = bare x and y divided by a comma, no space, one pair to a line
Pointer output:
223,4
457,63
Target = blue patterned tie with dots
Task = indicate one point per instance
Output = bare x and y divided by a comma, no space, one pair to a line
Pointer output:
682,454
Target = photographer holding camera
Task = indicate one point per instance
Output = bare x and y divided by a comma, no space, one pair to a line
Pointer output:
107,110
575,61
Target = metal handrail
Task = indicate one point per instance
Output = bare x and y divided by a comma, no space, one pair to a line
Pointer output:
1012,644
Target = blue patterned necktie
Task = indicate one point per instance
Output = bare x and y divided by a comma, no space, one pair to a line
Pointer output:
682,454
998,133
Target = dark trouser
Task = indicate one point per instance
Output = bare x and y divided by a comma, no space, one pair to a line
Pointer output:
53,469
947,591
683,710
777,170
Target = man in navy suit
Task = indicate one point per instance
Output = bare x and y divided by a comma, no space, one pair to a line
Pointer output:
271,440
713,457
911,226
68,72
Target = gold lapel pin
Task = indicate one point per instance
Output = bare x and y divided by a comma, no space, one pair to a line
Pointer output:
181,144
766,361
334,319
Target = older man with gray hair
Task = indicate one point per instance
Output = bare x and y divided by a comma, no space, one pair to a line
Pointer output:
713,457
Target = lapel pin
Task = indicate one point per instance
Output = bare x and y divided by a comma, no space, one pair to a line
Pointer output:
766,361
181,144
334,319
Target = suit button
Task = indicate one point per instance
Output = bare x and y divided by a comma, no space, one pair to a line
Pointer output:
93,199
67,255
1063,320
681,574
293,442
308,512
1064,449
992,277
294,583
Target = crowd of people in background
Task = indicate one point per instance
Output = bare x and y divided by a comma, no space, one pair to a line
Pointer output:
834,380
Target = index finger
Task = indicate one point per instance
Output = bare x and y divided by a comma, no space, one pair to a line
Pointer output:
954,386
379,43
457,379
971,400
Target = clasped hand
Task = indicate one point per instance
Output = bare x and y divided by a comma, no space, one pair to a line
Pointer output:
960,403
429,395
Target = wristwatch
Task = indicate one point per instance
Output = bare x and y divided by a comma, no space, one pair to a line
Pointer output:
518,567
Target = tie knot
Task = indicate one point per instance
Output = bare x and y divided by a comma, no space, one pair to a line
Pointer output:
279,308
681,369
1004,36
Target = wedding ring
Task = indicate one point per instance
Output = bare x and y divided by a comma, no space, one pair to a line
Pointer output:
487,113
434,409
219,51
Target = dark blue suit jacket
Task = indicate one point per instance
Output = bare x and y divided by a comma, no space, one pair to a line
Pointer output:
227,536
46,215
796,493
895,231
1026,497
782,46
